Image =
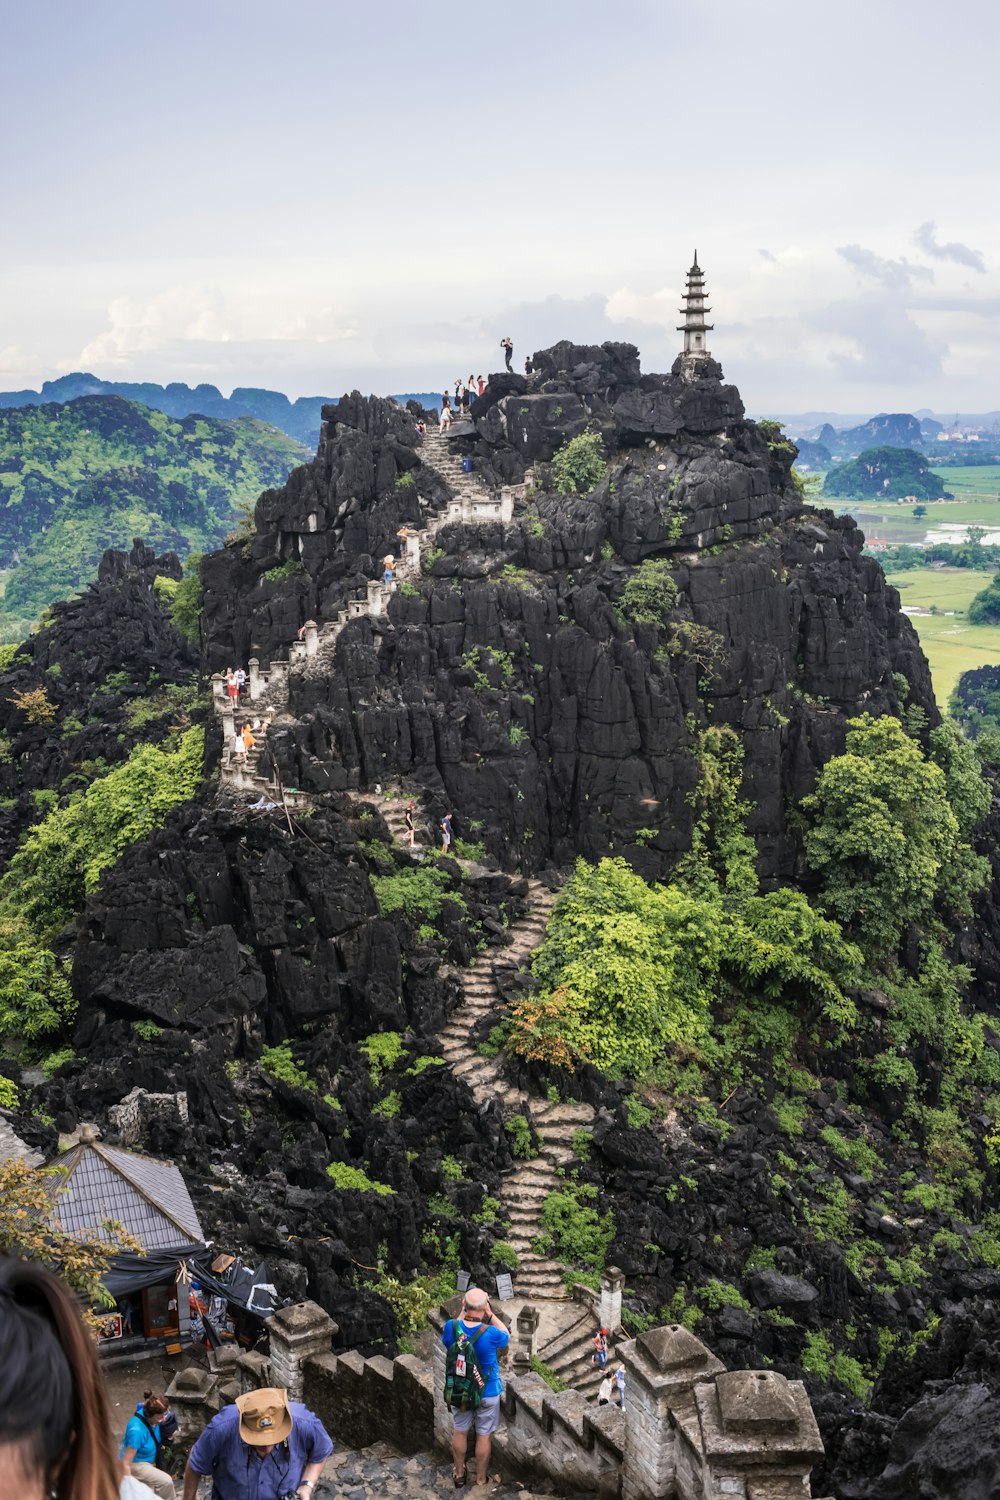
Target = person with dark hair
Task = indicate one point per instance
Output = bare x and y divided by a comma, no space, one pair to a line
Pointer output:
55,1432
140,1449
507,345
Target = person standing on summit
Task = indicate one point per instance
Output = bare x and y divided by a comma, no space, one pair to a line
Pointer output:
507,345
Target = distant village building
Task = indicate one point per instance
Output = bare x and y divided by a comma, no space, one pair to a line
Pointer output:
694,327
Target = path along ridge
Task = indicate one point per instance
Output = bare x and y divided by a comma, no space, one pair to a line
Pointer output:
566,1327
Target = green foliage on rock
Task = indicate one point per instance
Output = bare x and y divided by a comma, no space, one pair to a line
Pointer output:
579,464
572,1229
650,594
417,893
185,605
884,837
61,858
356,1180
94,473
279,1062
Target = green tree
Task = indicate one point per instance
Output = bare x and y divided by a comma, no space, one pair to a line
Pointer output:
885,839
26,1230
634,963
185,606
985,607
650,594
61,858
579,464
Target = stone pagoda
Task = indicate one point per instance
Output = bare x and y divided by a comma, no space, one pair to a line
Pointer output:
694,327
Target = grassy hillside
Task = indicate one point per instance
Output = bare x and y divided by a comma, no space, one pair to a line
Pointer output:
78,478
951,645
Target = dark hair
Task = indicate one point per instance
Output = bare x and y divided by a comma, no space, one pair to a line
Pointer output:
154,1406
53,1405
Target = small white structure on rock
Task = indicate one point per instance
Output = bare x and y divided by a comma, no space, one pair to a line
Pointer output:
694,327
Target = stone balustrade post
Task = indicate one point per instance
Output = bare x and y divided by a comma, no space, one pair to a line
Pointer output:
277,682
662,1369
297,1333
506,507
376,597
758,1437
255,683
413,551
297,651
612,1286
527,1326
228,725
310,633
218,690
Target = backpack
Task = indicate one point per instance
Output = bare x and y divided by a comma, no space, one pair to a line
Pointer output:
161,1433
464,1381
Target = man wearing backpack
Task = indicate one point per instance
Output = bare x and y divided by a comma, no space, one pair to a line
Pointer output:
473,1386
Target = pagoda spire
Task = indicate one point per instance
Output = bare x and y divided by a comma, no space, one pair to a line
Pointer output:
694,327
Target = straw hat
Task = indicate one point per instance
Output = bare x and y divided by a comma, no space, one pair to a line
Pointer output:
264,1417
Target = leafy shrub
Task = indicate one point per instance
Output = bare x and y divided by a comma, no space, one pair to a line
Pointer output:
354,1179
279,1062
292,568
452,1169
390,1106
417,892
175,700
35,704
715,1294
650,594
504,1256
581,1142
186,605
579,464
637,1114
61,859
884,838
522,1144
572,1229
382,1050
552,1380
148,1031
8,652
55,1060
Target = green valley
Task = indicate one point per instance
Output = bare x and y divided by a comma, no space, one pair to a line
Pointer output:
78,478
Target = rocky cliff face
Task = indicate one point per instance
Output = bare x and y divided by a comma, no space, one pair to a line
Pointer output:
511,682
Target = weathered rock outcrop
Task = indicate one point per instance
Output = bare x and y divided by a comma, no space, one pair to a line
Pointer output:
105,654
511,683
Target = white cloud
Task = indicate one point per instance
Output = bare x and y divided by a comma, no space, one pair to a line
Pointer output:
203,314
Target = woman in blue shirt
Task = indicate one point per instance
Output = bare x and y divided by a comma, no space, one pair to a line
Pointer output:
139,1447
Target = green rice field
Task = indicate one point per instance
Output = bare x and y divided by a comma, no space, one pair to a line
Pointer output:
950,645
976,503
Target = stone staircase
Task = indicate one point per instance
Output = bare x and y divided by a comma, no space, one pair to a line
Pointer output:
313,653
566,1330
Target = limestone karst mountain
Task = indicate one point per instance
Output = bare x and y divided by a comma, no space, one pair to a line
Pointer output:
333,1006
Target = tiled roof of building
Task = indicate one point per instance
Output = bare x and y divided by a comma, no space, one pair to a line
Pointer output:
148,1197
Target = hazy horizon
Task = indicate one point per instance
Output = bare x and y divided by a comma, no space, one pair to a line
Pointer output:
311,202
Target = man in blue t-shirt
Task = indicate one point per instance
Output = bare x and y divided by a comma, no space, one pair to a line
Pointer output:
263,1447
477,1314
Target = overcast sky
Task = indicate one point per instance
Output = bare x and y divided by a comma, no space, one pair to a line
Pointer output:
313,195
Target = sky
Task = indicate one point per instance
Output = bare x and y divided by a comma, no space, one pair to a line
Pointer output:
317,195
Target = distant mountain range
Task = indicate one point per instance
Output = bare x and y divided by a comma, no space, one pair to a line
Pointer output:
83,475
300,419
